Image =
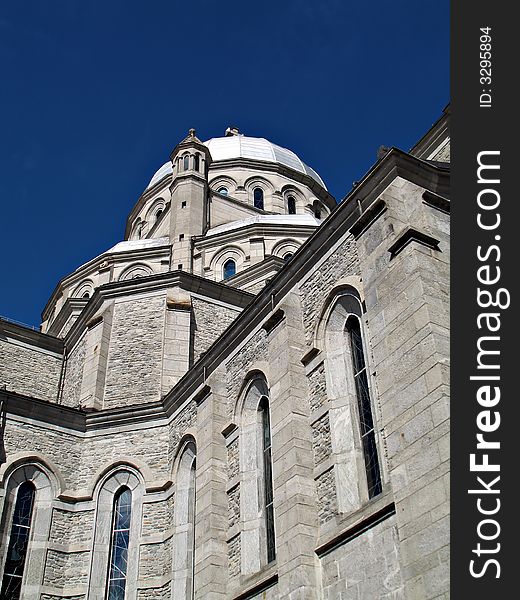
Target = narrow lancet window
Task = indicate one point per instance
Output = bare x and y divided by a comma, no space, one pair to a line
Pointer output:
18,542
258,198
118,567
366,421
196,162
268,479
291,205
230,268
186,165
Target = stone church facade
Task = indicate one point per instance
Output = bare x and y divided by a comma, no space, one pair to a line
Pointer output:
247,397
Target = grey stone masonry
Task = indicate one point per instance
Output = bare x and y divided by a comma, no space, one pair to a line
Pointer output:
134,360
29,369
209,321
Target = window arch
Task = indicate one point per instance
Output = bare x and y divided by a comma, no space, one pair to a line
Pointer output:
291,205
26,516
258,198
196,162
223,191
118,565
287,257
353,434
19,537
116,536
186,162
256,483
229,269
184,522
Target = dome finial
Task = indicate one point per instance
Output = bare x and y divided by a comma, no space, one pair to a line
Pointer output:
232,131
191,132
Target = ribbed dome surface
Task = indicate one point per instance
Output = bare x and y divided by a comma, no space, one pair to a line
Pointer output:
241,146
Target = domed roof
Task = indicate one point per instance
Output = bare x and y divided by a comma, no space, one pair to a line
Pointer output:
241,146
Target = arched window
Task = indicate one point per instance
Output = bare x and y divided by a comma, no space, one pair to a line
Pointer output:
317,211
158,214
86,295
287,257
229,269
258,198
186,164
223,190
291,205
196,162
267,465
118,566
366,422
18,542
184,523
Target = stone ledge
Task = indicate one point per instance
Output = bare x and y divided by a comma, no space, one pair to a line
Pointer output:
370,517
412,235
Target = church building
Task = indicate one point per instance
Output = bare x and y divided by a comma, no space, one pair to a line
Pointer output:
247,397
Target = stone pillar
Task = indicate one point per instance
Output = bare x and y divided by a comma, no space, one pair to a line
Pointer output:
211,569
296,520
96,357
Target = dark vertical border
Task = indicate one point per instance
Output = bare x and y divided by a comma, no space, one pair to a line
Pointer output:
475,129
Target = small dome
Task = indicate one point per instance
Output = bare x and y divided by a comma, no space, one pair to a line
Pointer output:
241,146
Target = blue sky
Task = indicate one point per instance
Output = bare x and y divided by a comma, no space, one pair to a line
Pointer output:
96,94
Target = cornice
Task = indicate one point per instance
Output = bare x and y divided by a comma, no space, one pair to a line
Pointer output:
202,242
31,337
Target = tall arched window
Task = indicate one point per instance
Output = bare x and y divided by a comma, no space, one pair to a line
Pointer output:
317,211
196,162
258,198
263,408
291,205
184,523
118,567
186,163
18,542
366,421
229,268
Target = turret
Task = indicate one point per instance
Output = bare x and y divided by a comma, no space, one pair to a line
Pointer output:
189,198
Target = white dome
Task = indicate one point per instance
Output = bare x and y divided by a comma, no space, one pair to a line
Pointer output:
241,146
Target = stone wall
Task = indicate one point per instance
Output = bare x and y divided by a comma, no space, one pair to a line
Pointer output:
209,321
366,567
29,370
135,356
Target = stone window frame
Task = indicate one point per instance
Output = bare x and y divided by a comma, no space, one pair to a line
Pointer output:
251,474
135,270
292,191
117,478
220,258
347,452
184,520
46,490
266,186
284,246
86,286
224,181
156,205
